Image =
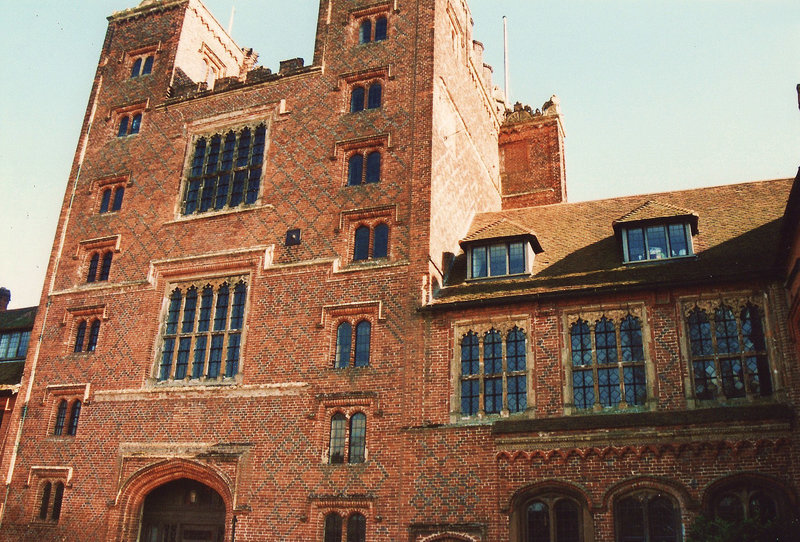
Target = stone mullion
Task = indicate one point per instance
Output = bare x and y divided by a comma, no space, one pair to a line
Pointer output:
504,368
620,365
595,368
481,380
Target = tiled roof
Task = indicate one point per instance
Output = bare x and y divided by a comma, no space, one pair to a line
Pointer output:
738,238
502,228
14,319
653,210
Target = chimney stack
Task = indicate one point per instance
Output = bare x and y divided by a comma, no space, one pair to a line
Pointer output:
5,299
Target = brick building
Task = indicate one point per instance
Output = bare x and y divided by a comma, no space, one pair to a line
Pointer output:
15,332
350,301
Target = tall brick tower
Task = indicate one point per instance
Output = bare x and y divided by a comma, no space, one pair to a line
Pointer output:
229,330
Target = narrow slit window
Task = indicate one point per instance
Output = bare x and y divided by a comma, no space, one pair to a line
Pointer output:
374,96
361,246
105,268
343,345
363,331
61,417
105,201
358,438
80,336
373,167
94,334
337,440
355,169
123,126
74,417
147,68
365,31
357,100
118,195
380,28
94,262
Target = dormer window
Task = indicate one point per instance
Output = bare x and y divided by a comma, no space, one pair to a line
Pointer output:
500,249
657,242
656,231
497,260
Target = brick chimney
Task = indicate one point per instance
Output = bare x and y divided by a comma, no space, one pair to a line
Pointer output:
5,298
532,156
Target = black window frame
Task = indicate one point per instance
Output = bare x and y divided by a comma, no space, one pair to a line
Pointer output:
206,333
225,170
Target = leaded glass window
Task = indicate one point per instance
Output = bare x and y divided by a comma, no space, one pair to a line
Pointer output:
225,171
607,363
338,437
493,376
497,260
204,343
657,242
728,351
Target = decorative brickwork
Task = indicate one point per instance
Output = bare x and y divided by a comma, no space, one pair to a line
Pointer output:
288,338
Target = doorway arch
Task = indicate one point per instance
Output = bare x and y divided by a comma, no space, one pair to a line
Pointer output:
183,510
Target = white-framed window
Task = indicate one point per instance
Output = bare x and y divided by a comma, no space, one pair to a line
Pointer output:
499,259
657,242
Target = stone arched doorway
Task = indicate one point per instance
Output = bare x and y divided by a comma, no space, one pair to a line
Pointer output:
183,510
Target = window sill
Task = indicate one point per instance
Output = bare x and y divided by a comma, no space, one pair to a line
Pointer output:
366,265
222,212
661,260
525,274
746,413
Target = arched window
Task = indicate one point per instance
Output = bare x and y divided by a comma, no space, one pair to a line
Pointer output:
493,372
552,519
356,528
118,195
137,67
355,169
647,517
106,200
759,501
337,440
148,65
61,416
105,269
357,100
365,31
74,417
361,245
57,498
80,336
123,126
374,96
94,262
343,345
380,242
493,377
363,330
136,123
373,167
44,507
470,382
94,334
358,438
516,367
380,29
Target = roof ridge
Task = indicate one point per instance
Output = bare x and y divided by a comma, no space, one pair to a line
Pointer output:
654,203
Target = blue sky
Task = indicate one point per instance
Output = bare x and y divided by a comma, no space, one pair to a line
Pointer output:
657,95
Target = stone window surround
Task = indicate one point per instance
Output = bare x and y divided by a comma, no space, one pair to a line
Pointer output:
735,300
503,324
616,313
